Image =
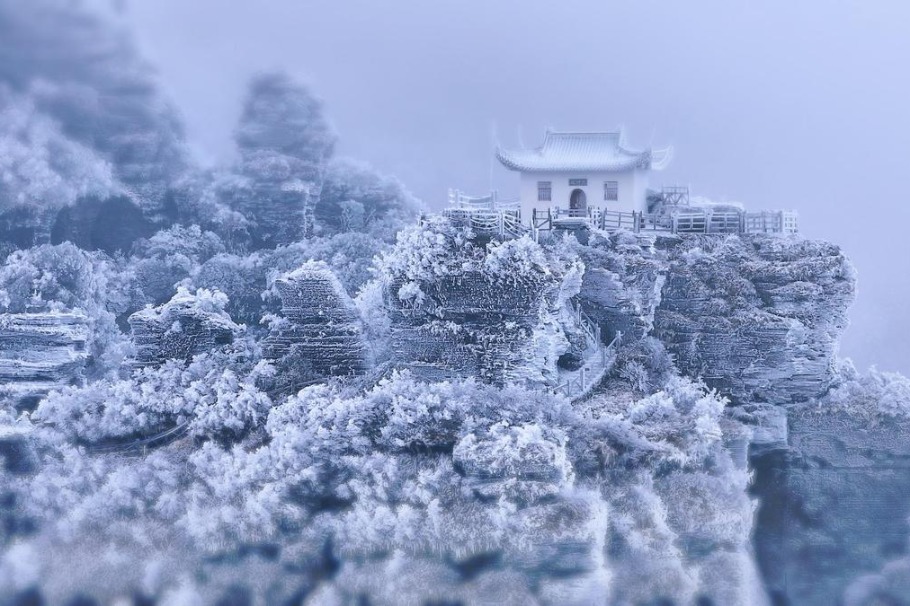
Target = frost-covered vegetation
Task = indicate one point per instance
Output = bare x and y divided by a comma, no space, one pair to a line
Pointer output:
269,383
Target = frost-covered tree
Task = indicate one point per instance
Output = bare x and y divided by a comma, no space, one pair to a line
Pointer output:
42,170
355,198
212,396
158,263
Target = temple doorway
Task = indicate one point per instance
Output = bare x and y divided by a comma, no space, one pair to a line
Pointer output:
578,204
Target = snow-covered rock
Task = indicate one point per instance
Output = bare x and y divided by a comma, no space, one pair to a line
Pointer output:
462,307
622,283
758,317
41,351
319,333
284,143
187,325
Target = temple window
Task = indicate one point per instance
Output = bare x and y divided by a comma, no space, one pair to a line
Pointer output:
544,191
611,190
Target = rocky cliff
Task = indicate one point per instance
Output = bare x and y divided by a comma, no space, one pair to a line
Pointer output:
187,325
284,143
462,306
623,279
319,333
834,495
834,504
40,351
758,317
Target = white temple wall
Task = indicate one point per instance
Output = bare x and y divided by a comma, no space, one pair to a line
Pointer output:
633,185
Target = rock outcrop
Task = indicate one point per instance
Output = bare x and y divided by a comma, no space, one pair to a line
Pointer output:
757,317
834,504
187,325
622,283
479,328
461,307
319,333
284,143
40,351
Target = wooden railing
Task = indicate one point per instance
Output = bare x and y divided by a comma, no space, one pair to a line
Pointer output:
596,365
609,220
492,201
503,223
771,222
507,222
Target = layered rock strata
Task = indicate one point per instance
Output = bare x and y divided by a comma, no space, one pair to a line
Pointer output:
478,327
41,351
757,317
319,333
185,326
622,283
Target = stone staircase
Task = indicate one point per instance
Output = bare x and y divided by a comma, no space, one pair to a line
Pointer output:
599,359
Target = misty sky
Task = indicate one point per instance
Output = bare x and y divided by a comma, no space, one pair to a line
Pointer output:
778,104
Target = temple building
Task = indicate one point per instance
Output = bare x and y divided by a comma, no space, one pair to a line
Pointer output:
576,172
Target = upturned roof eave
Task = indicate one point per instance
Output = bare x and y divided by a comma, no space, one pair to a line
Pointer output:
534,162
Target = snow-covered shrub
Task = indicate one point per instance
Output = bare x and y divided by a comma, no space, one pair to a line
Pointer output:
350,256
677,425
215,396
190,242
875,393
323,441
515,260
171,255
644,364
242,278
248,280
523,463
429,251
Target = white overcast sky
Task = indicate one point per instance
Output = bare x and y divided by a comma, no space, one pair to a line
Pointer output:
778,103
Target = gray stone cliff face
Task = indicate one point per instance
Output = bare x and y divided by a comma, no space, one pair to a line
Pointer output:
757,317
279,195
834,504
622,283
319,333
40,351
477,327
180,329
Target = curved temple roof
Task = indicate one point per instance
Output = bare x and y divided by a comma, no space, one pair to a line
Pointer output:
563,151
